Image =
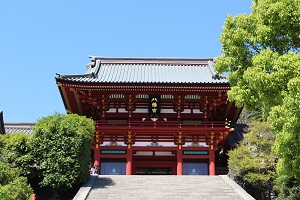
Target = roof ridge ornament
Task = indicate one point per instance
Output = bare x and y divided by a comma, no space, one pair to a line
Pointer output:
216,77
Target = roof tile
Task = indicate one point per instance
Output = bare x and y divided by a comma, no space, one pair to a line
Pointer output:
151,70
19,127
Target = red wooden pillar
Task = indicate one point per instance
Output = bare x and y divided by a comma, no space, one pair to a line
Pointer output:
97,157
129,162
212,168
179,161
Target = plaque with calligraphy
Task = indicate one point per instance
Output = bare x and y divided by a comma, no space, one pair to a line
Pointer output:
154,105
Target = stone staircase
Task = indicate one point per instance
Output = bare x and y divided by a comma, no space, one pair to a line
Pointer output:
164,187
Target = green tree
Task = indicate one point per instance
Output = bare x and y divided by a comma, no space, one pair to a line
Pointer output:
261,55
16,148
260,52
286,123
254,162
61,148
17,153
13,186
3,157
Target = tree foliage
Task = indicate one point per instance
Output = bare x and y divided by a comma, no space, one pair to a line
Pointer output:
16,148
254,161
286,123
13,186
261,55
260,52
61,148
3,157
14,166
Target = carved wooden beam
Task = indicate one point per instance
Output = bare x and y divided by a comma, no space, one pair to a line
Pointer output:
129,139
214,139
178,104
179,139
99,138
104,105
130,104
91,101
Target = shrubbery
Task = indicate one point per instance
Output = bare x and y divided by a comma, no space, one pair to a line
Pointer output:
55,160
12,185
254,163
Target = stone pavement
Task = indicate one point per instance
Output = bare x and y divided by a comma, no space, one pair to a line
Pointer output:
161,187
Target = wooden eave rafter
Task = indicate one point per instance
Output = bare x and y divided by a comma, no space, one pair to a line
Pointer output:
83,92
215,96
143,87
65,97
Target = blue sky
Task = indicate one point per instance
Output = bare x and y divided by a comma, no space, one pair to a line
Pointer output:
41,38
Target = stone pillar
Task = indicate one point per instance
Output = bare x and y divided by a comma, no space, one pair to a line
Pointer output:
212,168
179,162
129,162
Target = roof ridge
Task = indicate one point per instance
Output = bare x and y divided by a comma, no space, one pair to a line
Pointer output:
149,58
152,60
19,123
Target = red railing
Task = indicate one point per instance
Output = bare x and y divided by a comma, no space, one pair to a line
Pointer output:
212,124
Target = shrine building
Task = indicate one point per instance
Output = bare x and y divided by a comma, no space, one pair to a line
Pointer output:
154,115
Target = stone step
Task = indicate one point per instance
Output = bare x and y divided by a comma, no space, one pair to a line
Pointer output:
165,187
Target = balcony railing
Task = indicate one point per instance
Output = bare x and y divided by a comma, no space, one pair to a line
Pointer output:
211,124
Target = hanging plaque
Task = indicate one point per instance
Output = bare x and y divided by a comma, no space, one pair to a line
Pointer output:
154,105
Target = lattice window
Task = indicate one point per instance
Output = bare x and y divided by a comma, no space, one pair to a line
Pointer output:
116,96
192,97
142,96
166,96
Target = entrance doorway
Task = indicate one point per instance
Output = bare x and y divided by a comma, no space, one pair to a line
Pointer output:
154,161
